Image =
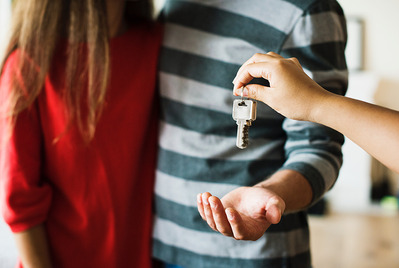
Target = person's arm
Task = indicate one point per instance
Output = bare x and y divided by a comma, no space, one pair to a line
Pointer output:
293,94
247,212
33,247
25,197
372,127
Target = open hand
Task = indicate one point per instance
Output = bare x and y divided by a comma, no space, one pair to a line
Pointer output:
245,213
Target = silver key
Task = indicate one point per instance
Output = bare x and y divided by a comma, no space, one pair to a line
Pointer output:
244,113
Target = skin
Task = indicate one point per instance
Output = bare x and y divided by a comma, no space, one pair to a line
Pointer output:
32,244
293,94
247,212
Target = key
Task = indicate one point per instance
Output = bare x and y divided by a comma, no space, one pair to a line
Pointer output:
244,113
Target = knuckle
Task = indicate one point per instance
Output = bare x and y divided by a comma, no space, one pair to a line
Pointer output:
239,237
224,231
212,225
253,92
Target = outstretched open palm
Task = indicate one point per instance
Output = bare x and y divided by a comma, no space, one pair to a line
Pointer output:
245,213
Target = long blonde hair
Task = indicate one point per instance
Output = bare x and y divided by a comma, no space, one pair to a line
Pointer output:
37,27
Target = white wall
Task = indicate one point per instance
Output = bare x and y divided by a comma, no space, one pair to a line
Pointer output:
378,83
5,10
381,43
382,38
8,253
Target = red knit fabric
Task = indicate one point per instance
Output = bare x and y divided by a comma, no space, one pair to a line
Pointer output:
95,199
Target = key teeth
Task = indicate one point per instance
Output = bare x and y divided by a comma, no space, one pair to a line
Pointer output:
245,137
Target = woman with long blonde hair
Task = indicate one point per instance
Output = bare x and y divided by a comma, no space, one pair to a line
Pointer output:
78,132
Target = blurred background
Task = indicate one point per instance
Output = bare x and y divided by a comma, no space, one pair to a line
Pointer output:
357,223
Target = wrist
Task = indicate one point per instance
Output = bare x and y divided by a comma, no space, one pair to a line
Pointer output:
319,106
292,187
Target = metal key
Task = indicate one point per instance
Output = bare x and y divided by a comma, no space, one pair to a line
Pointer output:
244,113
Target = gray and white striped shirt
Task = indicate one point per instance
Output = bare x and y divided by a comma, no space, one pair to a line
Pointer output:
205,43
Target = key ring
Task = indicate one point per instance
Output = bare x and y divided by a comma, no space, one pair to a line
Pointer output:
242,93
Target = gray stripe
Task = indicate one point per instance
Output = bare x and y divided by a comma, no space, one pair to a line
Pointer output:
334,80
303,32
246,173
282,11
191,189
227,49
196,144
305,130
202,95
214,244
323,166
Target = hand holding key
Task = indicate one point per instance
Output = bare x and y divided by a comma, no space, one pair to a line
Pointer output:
291,92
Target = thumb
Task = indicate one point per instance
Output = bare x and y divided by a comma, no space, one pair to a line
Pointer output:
253,91
274,210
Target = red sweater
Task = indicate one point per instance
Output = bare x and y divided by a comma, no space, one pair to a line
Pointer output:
95,199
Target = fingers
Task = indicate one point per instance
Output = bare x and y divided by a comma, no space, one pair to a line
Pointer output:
253,91
208,211
200,206
212,211
236,223
243,75
261,65
219,216
256,58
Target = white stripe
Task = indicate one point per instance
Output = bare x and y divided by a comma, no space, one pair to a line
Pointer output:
193,93
191,189
304,35
307,143
324,167
336,160
291,125
266,11
226,49
209,146
214,244
197,94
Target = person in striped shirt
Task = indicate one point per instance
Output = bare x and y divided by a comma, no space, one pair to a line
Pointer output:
295,162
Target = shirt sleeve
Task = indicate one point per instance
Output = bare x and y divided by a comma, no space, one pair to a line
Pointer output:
318,40
25,197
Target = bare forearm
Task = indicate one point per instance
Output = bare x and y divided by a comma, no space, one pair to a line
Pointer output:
292,187
33,247
372,127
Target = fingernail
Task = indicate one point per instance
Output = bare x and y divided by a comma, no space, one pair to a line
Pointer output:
245,91
205,201
238,91
229,215
199,198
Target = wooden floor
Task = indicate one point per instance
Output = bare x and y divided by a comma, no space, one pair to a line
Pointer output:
355,241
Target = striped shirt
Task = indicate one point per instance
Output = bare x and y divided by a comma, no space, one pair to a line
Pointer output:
205,43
